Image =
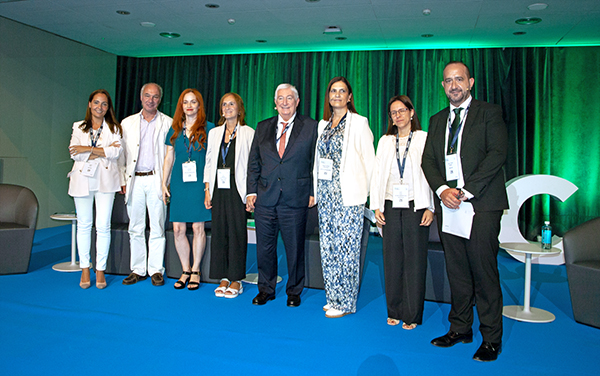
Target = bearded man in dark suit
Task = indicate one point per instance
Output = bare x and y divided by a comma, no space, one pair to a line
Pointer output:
463,158
280,191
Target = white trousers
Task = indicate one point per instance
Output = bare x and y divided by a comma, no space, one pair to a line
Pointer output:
144,196
84,208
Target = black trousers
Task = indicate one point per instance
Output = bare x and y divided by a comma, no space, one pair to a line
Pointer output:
405,262
472,267
229,235
292,224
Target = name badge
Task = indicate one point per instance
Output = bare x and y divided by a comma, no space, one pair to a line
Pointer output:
189,172
325,169
89,169
452,167
224,178
400,196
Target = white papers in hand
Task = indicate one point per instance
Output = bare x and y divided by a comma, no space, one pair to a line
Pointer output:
458,221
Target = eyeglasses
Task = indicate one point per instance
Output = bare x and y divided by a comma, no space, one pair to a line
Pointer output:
400,111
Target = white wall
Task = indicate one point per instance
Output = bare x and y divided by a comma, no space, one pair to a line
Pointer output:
45,81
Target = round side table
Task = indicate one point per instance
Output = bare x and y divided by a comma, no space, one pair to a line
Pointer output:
72,266
526,312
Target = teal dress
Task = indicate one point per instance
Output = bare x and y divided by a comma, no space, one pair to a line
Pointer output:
187,199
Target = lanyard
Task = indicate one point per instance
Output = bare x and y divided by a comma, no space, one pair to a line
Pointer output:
462,121
225,149
328,132
403,164
94,139
188,148
283,132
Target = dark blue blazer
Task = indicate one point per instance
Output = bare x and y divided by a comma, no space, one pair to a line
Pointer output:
290,177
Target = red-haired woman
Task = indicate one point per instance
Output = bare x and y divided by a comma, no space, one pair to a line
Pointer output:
184,167
95,147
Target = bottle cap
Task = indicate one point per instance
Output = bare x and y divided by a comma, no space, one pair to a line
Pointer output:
547,222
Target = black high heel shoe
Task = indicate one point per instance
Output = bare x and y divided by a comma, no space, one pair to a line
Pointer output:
180,284
192,285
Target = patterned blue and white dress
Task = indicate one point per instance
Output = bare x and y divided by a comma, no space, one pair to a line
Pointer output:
340,228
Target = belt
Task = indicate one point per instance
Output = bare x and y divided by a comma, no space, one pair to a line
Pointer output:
149,173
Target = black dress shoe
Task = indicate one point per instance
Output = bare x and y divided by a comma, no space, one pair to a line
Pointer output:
293,301
157,279
133,279
488,352
452,338
262,298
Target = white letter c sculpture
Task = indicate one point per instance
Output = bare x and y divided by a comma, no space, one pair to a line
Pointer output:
519,190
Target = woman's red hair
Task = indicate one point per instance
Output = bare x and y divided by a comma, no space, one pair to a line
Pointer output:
198,130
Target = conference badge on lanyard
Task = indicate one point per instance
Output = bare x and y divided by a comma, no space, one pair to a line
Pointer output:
89,169
400,191
224,178
189,172
400,195
452,167
325,169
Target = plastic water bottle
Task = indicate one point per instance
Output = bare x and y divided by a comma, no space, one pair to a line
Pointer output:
546,235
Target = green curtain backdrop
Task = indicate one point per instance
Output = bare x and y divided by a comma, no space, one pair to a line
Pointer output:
549,98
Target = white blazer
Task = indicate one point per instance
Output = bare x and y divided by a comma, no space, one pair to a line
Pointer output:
244,137
107,171
358,159
386,160
131,140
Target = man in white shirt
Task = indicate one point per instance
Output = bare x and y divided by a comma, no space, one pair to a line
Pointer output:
141,165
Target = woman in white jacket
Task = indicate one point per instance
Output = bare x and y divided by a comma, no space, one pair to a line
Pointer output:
225,192
399,189
95,147
344,161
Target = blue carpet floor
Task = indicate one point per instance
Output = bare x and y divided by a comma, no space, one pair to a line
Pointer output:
50,326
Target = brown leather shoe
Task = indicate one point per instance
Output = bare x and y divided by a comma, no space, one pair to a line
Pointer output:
133,279
157,279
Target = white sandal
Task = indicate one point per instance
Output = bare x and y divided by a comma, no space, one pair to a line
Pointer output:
220,291
333,313
233,293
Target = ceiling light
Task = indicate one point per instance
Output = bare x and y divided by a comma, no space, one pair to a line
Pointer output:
261,41
426,12
332,30
519,33
528,21
170,35
427,35
123,12
537,6
212,6
231,21
147,24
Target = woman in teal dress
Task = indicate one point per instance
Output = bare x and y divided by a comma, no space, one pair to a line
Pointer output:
184,169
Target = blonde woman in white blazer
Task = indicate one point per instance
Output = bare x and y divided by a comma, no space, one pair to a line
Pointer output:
403,204
95,146
344,161
225,193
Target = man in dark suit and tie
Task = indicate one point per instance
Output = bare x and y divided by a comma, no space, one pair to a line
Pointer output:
280,191
463,159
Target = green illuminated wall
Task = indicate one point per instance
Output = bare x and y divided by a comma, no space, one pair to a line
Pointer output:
549,98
